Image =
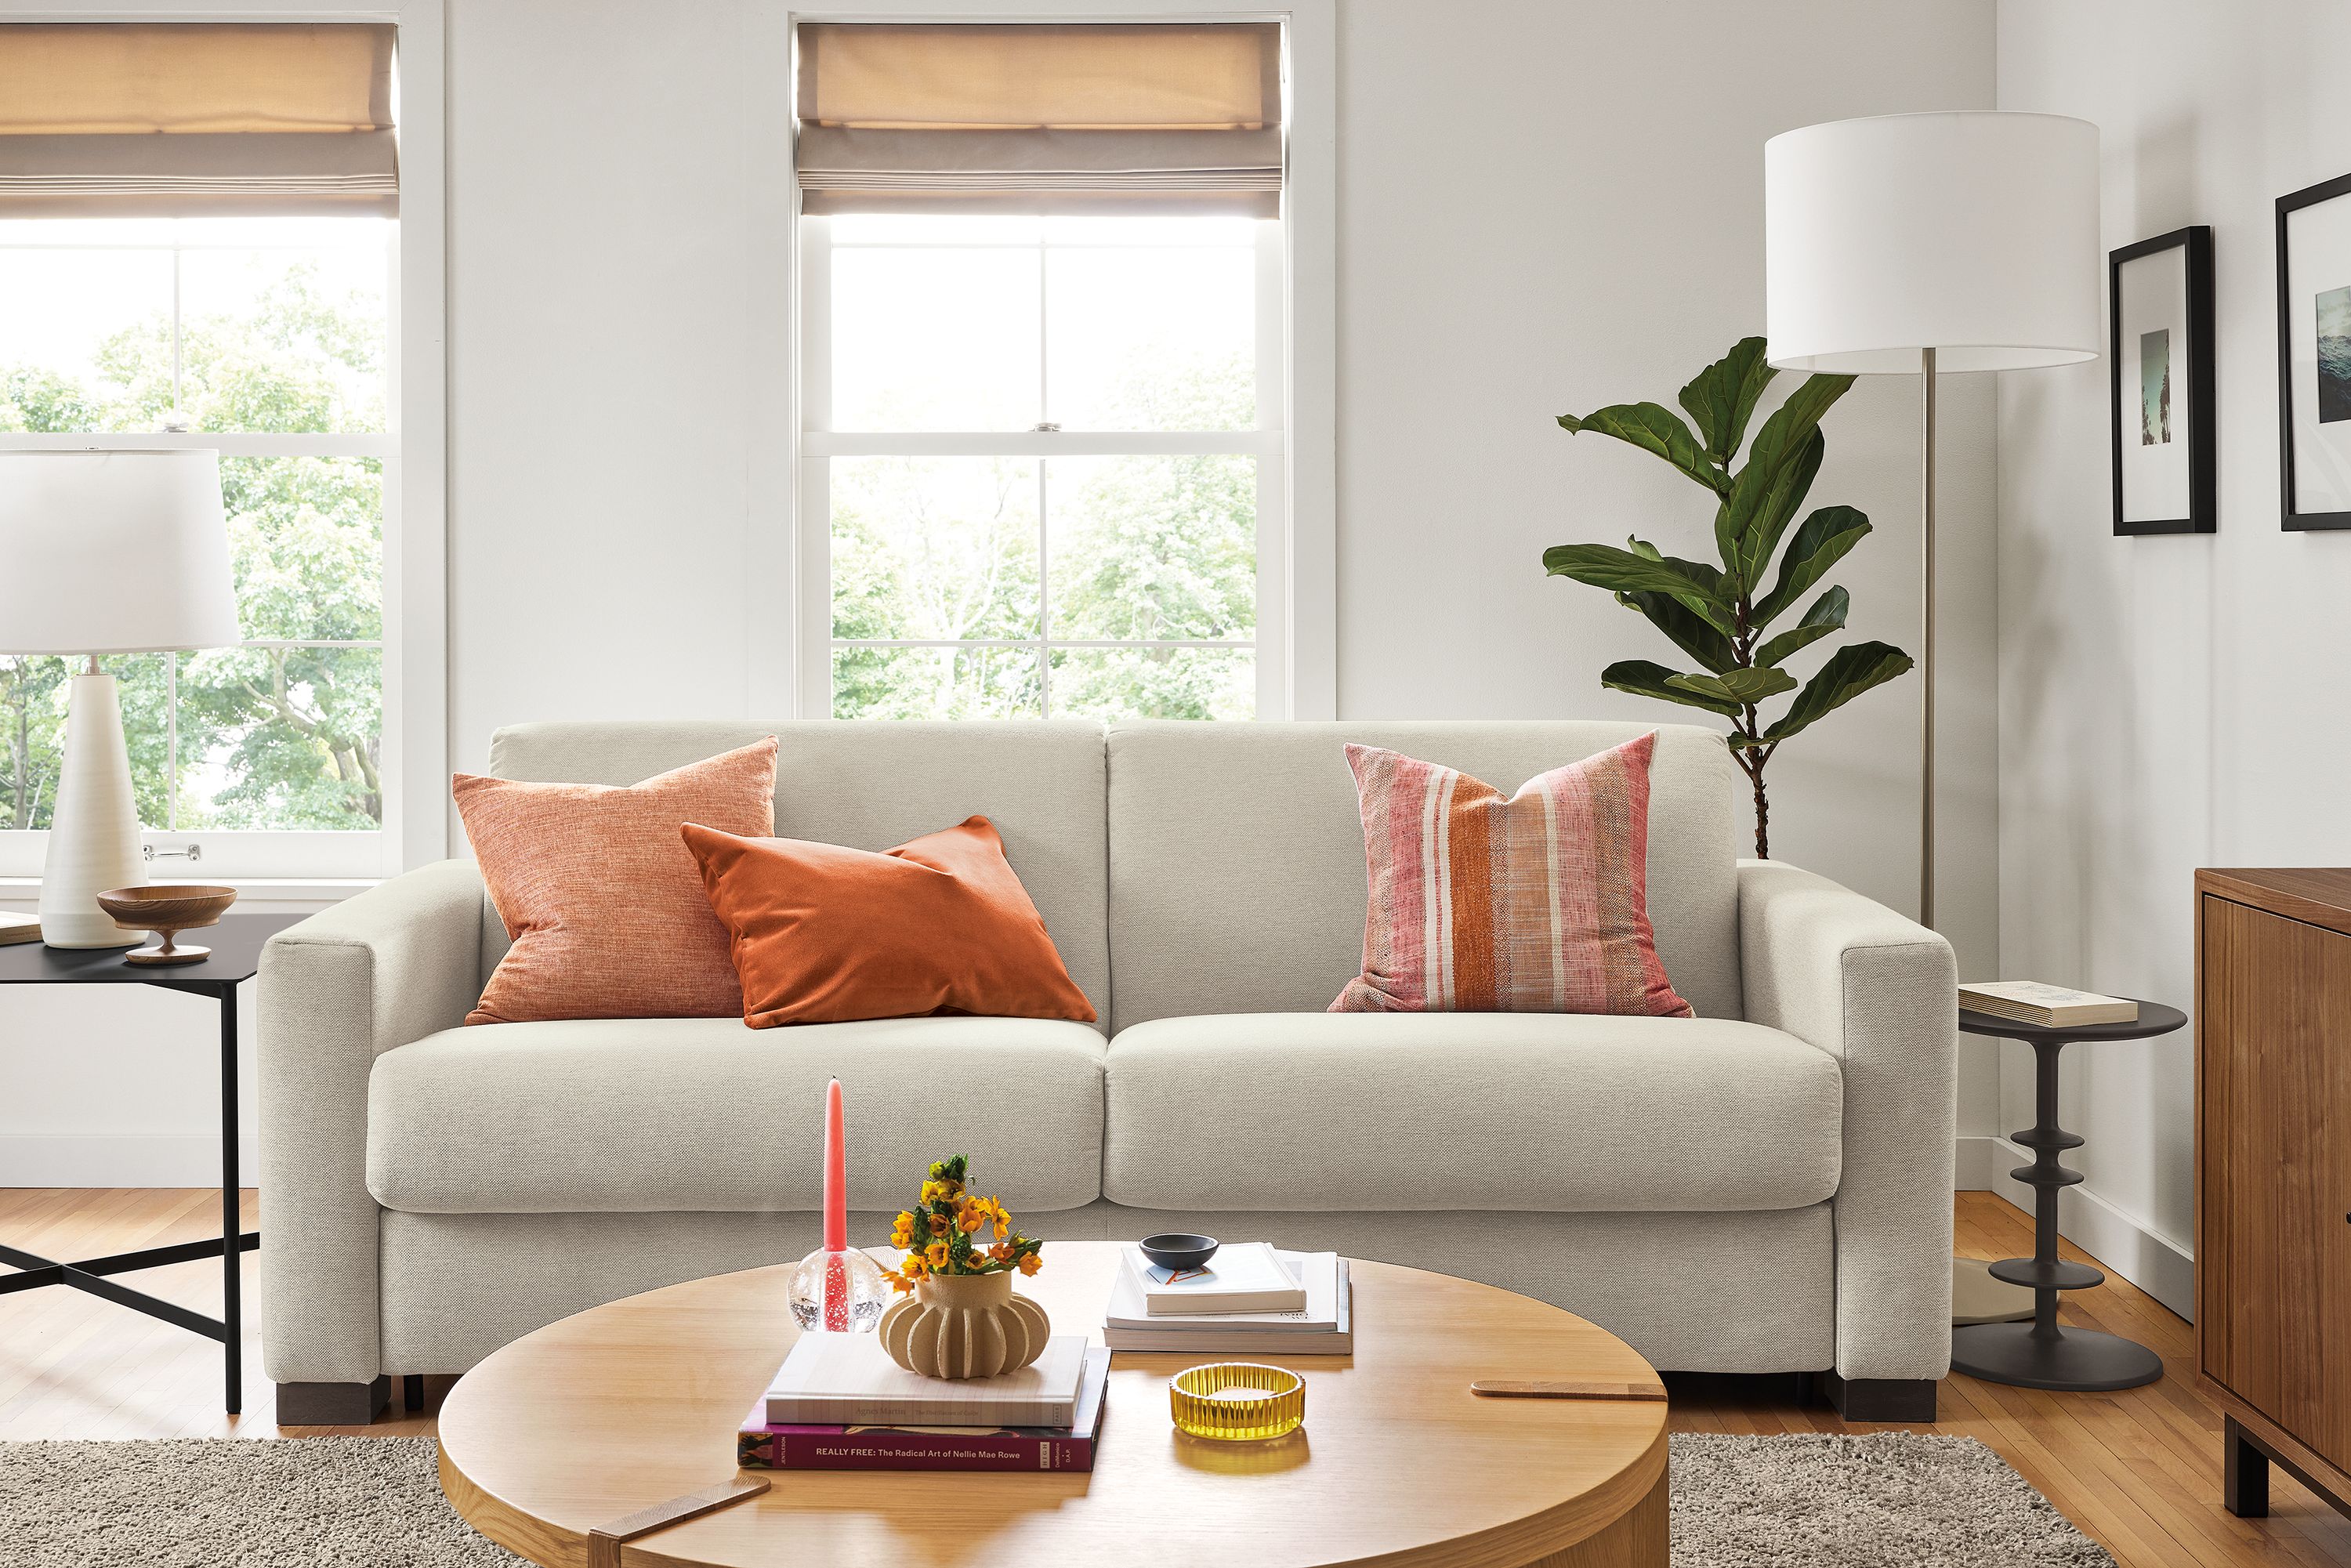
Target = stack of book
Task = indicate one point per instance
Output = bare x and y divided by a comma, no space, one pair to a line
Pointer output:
840,1403
1251,1300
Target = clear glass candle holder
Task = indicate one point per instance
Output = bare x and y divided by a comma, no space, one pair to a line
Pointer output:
838,1292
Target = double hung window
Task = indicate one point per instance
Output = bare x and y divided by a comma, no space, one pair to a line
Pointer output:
1042,454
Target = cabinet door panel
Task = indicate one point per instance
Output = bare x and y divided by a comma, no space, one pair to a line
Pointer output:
2274,1255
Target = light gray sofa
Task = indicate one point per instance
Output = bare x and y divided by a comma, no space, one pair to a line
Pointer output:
1766,1187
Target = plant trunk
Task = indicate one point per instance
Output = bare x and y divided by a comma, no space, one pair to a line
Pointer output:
1762,816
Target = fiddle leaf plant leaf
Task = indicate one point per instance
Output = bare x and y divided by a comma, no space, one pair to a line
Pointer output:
1654,428
1849,672
1754,684
1643,678
1690,632
1701,587
1757,514
1723,395
1820,543
1792,422
1826,615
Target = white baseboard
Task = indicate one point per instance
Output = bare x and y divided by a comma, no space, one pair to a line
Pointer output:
2124,1246
119,1159
1975,1162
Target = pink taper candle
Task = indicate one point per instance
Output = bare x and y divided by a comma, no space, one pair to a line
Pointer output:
836,1174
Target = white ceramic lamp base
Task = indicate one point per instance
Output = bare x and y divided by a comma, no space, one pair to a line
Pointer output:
94,825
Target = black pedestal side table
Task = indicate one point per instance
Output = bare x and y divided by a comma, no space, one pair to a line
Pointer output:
237,944
2039,1355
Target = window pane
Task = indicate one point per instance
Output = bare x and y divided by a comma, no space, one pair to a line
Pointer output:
35,697
142,686
1157,337
85,339
934,547
281,738
936,228
305,535
933,338
1154,682
1153,548
32,736
934,683
283,339
1164,230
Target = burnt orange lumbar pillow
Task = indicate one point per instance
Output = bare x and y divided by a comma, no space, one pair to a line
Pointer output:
825,934
603,902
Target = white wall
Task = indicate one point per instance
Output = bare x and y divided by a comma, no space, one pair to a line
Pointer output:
2169,702
1565,214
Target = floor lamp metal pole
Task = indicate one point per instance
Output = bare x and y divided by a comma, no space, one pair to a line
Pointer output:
1927,661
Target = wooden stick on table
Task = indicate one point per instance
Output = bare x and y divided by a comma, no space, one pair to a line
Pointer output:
604,1541
1504,1388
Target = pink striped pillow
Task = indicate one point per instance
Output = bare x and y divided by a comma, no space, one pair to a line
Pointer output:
1537,904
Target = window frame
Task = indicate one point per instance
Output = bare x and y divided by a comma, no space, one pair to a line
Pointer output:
1267,442
414,450
790,514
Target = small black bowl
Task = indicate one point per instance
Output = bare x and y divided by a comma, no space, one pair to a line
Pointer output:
1174,1251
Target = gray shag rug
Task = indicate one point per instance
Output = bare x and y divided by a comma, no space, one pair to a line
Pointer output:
1887,1499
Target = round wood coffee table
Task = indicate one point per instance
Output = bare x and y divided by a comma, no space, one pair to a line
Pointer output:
610,1411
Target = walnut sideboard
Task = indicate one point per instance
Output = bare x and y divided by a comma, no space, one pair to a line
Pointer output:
2273,1174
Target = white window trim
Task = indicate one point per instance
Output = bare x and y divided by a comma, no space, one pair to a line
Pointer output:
789,530
415,598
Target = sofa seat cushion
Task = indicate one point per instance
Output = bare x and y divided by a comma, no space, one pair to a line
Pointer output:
607,1115
1559,1113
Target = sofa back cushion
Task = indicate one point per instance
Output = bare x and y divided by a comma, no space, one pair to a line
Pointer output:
873,785
1237,871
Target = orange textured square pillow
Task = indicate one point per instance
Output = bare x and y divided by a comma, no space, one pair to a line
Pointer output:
604,901
825,934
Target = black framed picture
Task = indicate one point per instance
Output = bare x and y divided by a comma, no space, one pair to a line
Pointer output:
2313,289
2159,362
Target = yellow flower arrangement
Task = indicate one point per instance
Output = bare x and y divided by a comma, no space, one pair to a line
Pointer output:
941,1234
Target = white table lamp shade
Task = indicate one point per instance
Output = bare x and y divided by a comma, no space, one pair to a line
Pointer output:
1973,234
113,552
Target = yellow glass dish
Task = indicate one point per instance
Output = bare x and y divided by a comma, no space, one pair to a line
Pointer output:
1236,1401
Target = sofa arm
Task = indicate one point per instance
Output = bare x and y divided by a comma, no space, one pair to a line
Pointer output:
396,963
1880,993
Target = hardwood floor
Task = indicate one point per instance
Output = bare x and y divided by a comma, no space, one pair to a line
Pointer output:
2140,1471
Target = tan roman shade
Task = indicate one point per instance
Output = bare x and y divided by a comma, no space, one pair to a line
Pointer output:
1085,118
112,119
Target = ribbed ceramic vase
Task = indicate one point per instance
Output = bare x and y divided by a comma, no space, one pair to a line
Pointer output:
964,1325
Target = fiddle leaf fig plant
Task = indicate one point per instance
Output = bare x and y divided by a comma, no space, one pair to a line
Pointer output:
1722,616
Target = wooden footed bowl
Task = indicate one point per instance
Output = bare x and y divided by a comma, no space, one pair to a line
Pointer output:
167,909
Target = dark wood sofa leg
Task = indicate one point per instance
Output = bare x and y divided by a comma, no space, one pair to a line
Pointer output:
1881,1398
412,1393
332,1404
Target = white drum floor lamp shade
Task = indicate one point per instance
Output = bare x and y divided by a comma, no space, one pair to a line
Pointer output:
1919,243
106,552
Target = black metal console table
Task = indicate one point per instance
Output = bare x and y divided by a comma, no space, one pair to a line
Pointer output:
236,943
2038,1354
